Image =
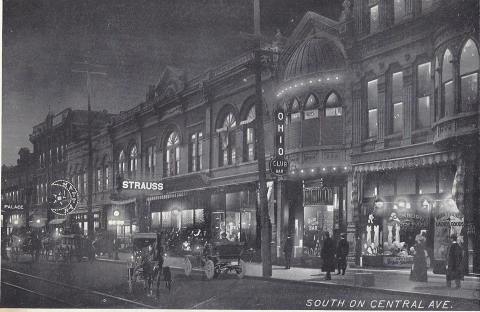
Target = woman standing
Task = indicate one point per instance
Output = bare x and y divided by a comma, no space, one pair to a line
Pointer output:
419,269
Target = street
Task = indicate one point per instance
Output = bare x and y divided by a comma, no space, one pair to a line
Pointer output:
226,292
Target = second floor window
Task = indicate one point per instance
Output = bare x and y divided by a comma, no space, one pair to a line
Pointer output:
133,160
85,180
446,107
424,91
196,151
374,19
107,177
397,102
99,180
249,135
227,141
333,106
150,166
469,68
172,157
372,100
398,10
121,163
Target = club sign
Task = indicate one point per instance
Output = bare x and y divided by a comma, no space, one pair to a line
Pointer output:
279,165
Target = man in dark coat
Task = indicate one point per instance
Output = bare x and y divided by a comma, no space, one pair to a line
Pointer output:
328,256
287,249
454,262
342,252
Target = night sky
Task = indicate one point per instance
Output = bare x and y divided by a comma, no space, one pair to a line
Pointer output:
135,39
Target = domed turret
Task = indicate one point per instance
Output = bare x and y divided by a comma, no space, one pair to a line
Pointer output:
312,56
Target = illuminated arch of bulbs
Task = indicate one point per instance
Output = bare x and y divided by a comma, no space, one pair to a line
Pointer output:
307,82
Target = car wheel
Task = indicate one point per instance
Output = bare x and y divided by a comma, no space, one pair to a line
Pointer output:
243,269
209,269
188,266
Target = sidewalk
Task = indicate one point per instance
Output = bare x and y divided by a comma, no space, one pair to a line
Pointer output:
386,280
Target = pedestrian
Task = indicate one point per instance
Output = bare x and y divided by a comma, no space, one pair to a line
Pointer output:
418,272
454,262
328,256
287,249
342,252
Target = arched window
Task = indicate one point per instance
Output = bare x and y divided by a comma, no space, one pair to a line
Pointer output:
172,157
469,68
151,161
295,111
249,135
447,84
227,141
333,106
311,102
121,162
438,112
311,105
133,160
399,10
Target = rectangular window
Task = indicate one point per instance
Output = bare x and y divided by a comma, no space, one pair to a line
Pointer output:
424,91
85,179
469,92
99,180
250,144
399,10
372,108
423,112
397,102
374,19
193,152
397,117
106,178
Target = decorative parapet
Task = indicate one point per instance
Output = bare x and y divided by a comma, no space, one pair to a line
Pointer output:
462,124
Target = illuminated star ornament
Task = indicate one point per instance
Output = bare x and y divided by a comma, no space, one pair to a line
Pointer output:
63,197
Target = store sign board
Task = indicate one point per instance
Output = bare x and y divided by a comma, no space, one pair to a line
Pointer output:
398,261
13,207
142,185
279,165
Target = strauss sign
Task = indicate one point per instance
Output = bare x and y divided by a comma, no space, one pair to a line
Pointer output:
279,165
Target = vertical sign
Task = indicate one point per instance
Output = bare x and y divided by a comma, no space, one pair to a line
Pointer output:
278,165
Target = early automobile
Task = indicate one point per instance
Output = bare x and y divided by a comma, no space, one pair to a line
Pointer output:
143,264
216,258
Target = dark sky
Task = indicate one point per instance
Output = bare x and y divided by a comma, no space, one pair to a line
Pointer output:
135,39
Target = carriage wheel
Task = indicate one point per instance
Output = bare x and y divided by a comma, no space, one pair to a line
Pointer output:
209,269
188,266
243,269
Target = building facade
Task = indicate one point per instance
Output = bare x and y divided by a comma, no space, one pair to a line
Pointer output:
381,135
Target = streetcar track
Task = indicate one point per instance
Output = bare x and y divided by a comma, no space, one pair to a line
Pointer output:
39,294
83,290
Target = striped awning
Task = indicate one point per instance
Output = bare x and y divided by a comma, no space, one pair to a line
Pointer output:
124,202
169,195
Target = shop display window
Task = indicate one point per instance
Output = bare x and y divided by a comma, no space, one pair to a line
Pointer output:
406,182
187,218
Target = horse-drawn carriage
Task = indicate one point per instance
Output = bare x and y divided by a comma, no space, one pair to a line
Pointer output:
216,258
143,266
65,247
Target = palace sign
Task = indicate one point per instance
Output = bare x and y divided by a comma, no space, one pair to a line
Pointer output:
279,165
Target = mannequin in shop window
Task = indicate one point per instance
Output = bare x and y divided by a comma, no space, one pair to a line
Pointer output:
373,232
393,236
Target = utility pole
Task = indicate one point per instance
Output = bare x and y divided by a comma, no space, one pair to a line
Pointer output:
89,72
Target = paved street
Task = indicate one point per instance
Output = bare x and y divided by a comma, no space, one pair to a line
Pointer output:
226,292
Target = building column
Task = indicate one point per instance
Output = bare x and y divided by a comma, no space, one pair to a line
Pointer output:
408,106
357,120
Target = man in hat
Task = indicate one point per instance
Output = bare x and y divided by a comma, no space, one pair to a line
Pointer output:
342,252
328,256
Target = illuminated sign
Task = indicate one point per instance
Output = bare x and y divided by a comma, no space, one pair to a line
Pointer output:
279,165
137,185
63,197
13,207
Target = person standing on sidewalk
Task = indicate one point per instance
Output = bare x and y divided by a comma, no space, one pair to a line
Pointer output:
328,256
454,262
287,249
419,268
342,252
